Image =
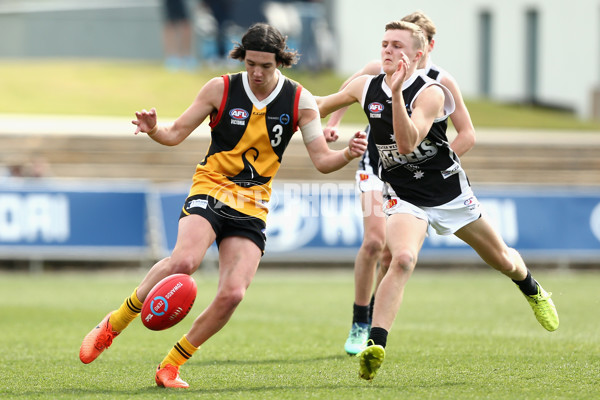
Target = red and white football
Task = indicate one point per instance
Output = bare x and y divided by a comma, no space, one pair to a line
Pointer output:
169,301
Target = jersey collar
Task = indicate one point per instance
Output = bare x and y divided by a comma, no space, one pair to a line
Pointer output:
260,104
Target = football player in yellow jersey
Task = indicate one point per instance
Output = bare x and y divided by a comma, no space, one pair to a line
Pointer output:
252,115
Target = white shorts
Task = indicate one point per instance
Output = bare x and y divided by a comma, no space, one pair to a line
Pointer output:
446,218
367,181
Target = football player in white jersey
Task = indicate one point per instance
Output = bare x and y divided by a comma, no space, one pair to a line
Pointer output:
372,250
425,184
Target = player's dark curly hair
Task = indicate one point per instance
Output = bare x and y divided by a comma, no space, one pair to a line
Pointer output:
264,37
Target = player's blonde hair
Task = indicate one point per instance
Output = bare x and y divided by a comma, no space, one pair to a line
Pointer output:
424,22
419,40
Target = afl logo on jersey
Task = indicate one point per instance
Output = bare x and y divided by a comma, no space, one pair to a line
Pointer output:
238,116
375,109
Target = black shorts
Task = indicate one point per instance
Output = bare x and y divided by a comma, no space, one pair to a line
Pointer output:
226,221
175,10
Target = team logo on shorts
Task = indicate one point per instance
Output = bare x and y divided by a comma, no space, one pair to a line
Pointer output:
471,203
197,203
390,203
364,177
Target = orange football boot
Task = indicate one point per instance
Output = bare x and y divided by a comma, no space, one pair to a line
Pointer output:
99,339
169,377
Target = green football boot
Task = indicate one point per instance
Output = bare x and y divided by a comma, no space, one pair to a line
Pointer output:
370,360
544,309
357,338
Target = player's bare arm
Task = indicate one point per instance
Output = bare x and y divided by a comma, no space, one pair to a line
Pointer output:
208,100
410,131
351,94
330,130
461,119
325,159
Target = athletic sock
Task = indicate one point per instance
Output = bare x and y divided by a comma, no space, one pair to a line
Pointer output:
180,353
378,336
360,314
371,306
130,309
528,285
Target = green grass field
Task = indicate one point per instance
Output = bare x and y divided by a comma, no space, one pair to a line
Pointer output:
459,335
113,88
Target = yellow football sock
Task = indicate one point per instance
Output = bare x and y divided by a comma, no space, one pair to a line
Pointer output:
180,353
130,309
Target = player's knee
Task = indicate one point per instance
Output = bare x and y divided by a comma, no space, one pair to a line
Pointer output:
183,265
230,298
404,261
373,246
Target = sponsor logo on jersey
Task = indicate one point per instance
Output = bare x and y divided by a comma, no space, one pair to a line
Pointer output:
454,169
375,109
284,119
238,116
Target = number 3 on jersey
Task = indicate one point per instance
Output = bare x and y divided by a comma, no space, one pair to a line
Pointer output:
278,131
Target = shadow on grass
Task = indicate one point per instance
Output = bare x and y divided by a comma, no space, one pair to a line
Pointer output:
270,361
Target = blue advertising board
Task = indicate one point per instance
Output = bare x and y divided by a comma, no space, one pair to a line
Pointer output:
307,221
72,219
323,221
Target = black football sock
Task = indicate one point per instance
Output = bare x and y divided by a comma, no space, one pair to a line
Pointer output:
378,336
371,306
360,314
528,285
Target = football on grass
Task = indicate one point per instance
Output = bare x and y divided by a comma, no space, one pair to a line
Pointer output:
169,301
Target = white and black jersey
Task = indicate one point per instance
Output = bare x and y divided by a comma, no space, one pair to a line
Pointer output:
434,72
432,174
370,159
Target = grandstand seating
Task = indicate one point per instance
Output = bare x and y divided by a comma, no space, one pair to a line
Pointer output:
549,158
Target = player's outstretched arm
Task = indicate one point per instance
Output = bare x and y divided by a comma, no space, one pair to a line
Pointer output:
207,100
351,94
333,123
325,159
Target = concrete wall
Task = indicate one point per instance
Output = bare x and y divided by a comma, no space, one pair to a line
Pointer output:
87,28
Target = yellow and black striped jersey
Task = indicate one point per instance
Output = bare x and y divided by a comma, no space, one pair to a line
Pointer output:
248,139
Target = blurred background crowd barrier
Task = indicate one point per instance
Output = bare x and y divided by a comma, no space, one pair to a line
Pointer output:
309,222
